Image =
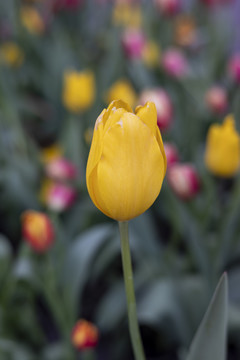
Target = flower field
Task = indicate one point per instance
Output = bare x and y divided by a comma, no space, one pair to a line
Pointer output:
119,111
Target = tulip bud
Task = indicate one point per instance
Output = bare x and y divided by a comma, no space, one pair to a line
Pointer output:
66,4
185,31
84,335
150,54
78,90
61,169
216,2
184,180
222,155
216,99
174,63
171,154
163,105
234,67
123,90
168,7
59,197
11,54
133,41
126,163
37,230
32,20
51,153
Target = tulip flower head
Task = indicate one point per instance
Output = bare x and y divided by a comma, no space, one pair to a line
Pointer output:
11,54
222,155
234,67
168,7
216,99
37,230
32,20
51,153
183,180
127,162
174,63
60,197
123,90
150,54
78,90
84,335
133,42
61,169
172,155
66,5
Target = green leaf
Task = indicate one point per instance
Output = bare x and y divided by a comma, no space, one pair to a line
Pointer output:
210,340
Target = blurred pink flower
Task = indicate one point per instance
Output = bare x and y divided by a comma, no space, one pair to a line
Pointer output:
163,105
234,67
183,180
133,42
216,99
61,169
171,153
60,197
66,4
216,2
174,62
168,7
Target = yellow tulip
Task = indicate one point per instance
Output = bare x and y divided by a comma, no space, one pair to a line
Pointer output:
123,90
222,156
127,162
78,90
32,20
151,54
125,14
11,54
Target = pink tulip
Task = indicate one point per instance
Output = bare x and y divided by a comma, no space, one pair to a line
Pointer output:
216,99
133,42
183,180
168,7
61,169
171,153
174,63
60,197
234,67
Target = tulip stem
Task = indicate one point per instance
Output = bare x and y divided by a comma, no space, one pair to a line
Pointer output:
130,294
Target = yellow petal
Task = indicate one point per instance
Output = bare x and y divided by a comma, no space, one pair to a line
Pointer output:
129,176
148,114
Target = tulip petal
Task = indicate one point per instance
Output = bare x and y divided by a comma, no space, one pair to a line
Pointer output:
95,153
160,143
148,114
129,176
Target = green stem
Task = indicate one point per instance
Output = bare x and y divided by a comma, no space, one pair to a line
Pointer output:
130,294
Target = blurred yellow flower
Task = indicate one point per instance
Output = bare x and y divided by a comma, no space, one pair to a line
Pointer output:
122,90
222,156
185,30
50,153
151,54
127,162
37,230
32,20
11,54
126,15
78,90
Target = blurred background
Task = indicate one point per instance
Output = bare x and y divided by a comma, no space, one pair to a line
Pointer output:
61,63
